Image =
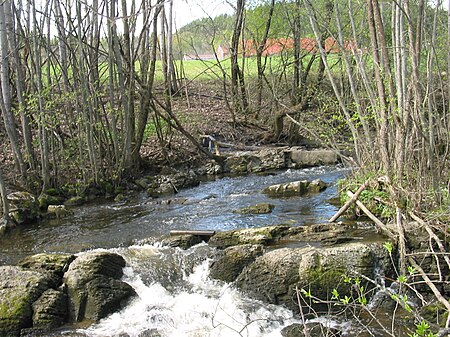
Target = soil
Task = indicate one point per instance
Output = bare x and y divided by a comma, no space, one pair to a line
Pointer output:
202,112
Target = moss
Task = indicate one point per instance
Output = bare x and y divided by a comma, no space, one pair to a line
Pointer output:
15,314
75,201
52,191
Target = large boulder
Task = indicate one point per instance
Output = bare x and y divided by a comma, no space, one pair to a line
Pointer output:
94,287
255,161
24,207
19,289
303,158
295,188
50,310
276,276
233,260
167,184
54,263
260,235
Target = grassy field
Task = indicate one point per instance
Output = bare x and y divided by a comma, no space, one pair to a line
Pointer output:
212,69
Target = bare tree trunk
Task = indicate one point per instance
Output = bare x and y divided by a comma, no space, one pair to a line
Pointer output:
6,105
259,51
4,198
240,103
374,27
20,82
170,62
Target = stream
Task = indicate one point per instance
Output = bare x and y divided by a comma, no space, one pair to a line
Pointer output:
176,296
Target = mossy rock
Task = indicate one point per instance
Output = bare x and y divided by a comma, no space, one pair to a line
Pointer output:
75,201
24,207
262,208
276,276
259,235
435,313
55,263
52,192
44,200
19,288
107,186
50,310
233,260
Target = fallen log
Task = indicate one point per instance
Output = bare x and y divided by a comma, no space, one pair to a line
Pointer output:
372,217
206,233
350,201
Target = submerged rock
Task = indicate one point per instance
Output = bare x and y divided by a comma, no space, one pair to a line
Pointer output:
295,188
309,329
94,286
262,208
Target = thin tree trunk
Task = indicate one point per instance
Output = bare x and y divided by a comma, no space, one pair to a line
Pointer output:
6,105
4,198
259,51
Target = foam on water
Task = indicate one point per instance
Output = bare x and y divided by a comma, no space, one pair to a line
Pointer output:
198,307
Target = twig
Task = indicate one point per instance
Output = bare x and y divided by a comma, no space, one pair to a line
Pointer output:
305,327
432,235
433,288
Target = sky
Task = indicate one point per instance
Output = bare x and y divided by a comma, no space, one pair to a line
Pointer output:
189,10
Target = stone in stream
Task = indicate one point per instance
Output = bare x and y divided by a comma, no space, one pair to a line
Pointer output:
233,260
262,208
53,264
260,235
275,276
94,287
303,158
295,188
19,289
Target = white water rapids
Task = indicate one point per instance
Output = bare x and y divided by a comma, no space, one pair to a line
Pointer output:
194,306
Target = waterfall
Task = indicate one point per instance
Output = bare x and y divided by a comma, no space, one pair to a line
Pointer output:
176,297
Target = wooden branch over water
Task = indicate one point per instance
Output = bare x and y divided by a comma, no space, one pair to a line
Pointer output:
372,217
193,232
350,201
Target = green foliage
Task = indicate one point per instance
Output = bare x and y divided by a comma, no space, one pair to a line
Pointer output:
422,330
375,197
388,246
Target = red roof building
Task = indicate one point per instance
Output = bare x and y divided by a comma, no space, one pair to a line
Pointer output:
278,46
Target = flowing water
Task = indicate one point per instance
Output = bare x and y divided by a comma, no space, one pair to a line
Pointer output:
175,295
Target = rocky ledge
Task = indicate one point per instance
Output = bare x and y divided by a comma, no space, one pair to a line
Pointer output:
47,290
